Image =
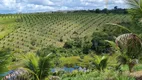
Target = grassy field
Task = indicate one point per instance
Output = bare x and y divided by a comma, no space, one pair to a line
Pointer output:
30,32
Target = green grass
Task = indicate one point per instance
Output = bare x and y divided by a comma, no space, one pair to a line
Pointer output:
76,60
95,75
65,61
138,67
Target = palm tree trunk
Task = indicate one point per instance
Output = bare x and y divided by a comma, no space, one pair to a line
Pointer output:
131,65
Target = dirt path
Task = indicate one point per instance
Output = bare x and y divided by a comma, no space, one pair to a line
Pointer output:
137,75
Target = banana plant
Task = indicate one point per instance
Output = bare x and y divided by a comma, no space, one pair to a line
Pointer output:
100,62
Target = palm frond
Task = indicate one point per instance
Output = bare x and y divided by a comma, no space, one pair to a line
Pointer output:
134,3
39,66
120,26
113,44
125,37
104,62
136,8
130,44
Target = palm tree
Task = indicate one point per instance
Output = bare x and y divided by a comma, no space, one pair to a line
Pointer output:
130,48
38,67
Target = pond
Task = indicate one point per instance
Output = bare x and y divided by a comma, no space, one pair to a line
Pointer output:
71,69
53,70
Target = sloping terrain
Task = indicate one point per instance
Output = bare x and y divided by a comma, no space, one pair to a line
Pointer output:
38,30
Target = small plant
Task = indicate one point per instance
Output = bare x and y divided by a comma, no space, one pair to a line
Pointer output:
100,62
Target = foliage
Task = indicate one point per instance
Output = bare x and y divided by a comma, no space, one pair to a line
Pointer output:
97,10
130,47
138,67
86,61
121,28
100,62
5,60
68,44
49,49
84,44
35,31
99,45
130,44
36,65
136,13
73,61
136,9
69,61
58,30
105,11
75,42
95,75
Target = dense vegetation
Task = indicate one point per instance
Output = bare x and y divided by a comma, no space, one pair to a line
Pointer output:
79,45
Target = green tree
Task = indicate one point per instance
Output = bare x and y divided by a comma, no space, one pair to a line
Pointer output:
105,11
97,10
98,43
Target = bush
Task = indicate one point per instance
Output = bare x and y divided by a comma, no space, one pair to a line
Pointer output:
99,45
68,44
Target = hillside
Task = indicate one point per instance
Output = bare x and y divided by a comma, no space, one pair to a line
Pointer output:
30,32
